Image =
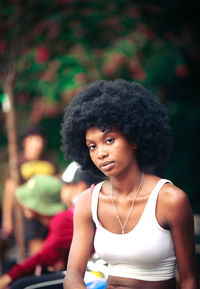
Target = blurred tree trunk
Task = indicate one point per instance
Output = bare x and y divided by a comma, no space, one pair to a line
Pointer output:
13,161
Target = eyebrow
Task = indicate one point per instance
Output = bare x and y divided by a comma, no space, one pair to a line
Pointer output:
107,131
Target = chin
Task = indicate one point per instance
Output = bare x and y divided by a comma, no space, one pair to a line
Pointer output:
108,174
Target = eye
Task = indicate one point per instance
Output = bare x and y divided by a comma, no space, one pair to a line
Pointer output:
91,147
110,140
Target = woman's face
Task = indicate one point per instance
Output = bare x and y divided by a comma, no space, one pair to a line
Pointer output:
109,150
33,146
28,213
67,193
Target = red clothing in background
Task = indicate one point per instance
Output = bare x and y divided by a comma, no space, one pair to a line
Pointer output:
55,248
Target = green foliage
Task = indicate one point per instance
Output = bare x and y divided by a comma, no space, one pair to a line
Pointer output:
55,47
63,45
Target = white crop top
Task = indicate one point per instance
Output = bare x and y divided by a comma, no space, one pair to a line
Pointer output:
145,253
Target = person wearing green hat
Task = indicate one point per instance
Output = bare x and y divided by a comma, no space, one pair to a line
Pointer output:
40,199
41,194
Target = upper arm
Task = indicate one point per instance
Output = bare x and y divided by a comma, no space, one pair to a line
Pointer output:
180,219
83,235
8,196
10,186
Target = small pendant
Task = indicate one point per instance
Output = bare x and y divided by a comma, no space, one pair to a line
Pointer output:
122,231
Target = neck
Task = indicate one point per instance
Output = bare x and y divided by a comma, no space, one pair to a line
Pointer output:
126,183
31,156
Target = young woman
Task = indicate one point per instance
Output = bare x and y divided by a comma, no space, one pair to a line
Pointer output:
140,224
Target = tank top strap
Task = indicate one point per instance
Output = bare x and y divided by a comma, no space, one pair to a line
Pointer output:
154,194
94,204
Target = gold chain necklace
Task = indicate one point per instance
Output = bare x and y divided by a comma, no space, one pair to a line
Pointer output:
130,210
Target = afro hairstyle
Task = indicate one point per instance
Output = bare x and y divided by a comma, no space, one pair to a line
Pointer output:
127,106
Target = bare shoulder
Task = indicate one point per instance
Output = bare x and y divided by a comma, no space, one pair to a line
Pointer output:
83,205
173,196
85,196
175,203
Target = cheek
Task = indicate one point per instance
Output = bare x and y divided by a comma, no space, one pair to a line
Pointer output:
29,214
67,193
93,156
38,145
66,197
124,152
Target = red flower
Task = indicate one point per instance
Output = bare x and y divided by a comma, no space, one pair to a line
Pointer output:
42,54
139,74
181,71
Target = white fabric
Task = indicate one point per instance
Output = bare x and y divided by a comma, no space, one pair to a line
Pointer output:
69,173
146,253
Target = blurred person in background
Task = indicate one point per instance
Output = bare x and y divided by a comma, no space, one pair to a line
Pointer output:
31,162
76,180
42,199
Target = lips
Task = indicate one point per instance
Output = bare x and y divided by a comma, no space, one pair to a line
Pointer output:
106,166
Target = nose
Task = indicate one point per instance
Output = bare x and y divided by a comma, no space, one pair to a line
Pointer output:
101,153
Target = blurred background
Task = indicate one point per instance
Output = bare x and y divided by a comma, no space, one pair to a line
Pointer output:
50,49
